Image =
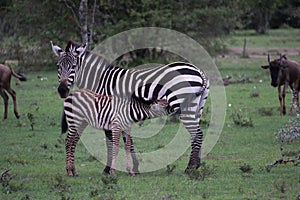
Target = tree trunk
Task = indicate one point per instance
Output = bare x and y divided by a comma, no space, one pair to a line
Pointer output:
91,26
83,19
262,17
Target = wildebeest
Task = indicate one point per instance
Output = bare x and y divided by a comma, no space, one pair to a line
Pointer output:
5,77
287,73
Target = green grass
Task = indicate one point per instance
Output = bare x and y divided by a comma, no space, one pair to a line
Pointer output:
36,159
273,39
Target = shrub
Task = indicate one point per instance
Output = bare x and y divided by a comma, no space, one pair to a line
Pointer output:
203,172
289,139
242,118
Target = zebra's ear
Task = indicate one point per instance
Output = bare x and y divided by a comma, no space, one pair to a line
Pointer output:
81,50
56,49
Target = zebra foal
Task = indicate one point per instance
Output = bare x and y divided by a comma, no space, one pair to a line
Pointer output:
84,107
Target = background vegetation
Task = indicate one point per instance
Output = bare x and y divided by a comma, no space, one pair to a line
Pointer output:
26,27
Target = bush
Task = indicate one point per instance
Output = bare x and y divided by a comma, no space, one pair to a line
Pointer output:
289,139
241,117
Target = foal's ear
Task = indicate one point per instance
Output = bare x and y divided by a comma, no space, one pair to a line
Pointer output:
56,49
265,66
81,49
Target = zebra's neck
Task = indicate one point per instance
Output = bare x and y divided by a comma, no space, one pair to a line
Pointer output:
90,69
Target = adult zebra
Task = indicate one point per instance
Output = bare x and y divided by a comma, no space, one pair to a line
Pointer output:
83,107
183,85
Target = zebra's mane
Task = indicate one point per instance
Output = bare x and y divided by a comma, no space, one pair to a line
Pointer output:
71,46
113,65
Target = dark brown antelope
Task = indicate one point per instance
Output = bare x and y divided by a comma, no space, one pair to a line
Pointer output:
287,73
5,77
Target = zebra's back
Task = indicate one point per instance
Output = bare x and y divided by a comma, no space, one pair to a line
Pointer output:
174,82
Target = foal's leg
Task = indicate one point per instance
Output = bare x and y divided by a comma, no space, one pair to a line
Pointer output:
130,147
14,96
70,149
5,99
71,142
115,149
127,149
108,140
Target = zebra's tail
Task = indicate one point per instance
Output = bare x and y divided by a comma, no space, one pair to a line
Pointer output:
64,124
204,95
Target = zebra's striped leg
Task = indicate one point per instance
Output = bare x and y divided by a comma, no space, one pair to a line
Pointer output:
71,142
132,152
193,127
108,140
128,149
115,149
108,135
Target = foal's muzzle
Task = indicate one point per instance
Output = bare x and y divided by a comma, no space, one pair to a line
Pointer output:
63,90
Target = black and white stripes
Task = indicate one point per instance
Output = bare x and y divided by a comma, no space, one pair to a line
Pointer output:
84,107
184,86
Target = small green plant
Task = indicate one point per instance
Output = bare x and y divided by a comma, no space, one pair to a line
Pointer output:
8,185
280,185
59,185
246,168
170,169
202,172
205,118
30,117
105,190
266,111
109,181
5,178
287,136
290,132
242,118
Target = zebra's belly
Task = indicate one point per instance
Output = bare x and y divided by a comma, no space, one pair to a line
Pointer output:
106,126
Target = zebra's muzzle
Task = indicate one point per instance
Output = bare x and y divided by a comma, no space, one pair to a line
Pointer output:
63,90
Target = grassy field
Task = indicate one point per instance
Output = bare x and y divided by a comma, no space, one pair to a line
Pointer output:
273,38
234,169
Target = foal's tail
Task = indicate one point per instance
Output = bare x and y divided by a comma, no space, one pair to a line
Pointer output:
64,124
20,76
